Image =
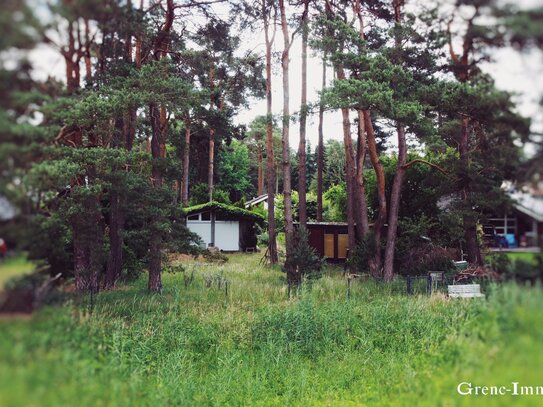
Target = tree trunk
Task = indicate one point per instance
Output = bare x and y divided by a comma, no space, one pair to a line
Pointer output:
210,163
293,274
469,221
260,170
186,163
396,193
87,55
155,243
302,207
320,154
349,167
395,196
130,127
361,204
272,242
349,177
71,58
375,261
88,236
116,225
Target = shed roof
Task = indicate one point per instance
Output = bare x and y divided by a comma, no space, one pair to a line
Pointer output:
228,210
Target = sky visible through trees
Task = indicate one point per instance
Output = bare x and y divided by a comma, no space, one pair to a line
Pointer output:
513,71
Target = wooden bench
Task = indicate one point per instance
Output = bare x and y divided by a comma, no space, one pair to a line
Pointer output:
465,291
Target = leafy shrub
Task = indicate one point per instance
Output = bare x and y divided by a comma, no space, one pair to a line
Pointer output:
422,259
304,257
362,253
262,235
500,263
523,269
336,199
174,268
412,233
199,194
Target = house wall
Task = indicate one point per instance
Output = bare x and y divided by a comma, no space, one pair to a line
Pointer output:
226,233
330,241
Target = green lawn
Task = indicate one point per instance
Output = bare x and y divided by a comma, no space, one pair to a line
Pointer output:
529,257
188,347
13,267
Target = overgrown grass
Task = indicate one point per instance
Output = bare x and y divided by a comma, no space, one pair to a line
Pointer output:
189,347
14,267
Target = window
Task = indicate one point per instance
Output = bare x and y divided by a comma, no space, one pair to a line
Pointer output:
206,216
194,217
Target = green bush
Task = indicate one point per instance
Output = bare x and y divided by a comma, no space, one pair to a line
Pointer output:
523,269
500,263
420,260
199,194
304,256
362,253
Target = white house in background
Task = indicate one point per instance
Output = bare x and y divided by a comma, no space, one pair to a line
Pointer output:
7,210
258,200
524,222
225,227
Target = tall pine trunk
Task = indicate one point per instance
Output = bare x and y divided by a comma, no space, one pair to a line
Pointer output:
272,241
155,242
260,169
463,72
375,260
211,156
396,193
210,165
349,167
320,153
186,165
395,196
361,204
469,221
293,274
116,225
302,208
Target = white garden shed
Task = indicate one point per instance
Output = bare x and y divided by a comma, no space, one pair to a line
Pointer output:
225,227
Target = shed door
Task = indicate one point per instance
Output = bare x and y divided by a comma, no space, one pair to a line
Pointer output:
342,245
227,235
329,245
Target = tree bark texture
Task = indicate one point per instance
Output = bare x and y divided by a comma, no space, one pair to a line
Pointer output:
272,241
293,274
395,197
396,193
375,261
320,151
349,166
186,165
302,206
155,243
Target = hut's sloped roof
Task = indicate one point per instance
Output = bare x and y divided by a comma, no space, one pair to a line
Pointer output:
224,209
